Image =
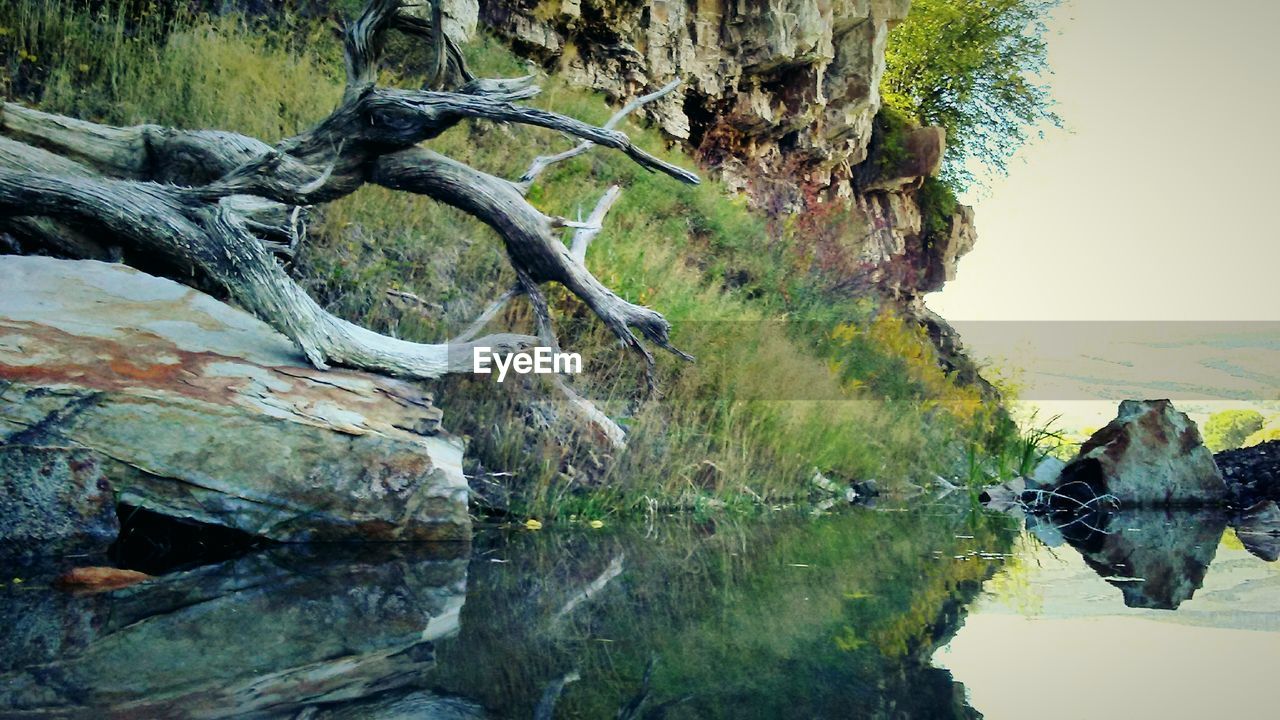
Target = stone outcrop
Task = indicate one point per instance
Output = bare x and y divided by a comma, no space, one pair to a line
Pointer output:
770,87
779,99
194,409
1150,455
1252,473
921,157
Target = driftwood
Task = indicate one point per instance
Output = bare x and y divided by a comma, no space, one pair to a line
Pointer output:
216,209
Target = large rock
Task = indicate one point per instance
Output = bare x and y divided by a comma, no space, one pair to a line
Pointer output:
1151,454
198,410
920,157
54,501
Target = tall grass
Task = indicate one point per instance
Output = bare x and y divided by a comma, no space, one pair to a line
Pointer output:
789,376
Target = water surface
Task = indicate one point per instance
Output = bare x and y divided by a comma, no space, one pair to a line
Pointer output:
935,612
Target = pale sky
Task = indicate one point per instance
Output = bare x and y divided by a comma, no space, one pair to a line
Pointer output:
1160,201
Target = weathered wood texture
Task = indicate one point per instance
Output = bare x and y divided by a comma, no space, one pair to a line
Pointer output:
213,209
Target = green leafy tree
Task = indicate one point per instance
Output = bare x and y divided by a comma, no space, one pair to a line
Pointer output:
1227,430
974,67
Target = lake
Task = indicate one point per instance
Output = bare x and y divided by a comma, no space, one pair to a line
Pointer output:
940,611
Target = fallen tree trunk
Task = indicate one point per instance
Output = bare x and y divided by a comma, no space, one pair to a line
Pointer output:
212,209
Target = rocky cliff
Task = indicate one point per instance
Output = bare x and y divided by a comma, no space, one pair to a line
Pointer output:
779,99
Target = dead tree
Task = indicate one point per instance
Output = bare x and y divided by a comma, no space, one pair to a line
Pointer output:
214,209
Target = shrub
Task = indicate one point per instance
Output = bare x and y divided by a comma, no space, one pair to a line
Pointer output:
1228,429
974,68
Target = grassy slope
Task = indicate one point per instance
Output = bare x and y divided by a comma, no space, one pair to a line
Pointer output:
728,429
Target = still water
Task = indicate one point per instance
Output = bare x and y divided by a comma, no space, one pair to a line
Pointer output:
935,612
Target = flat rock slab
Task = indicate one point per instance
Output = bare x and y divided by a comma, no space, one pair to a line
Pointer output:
200,410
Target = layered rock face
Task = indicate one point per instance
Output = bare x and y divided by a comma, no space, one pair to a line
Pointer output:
769,86
194,409
778,99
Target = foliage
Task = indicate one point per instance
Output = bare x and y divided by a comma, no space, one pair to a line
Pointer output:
1034,444
787,378
938,203
974,67
890,128
1228,429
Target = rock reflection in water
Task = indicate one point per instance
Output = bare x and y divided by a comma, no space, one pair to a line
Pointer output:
1156,558
1258,528
834,617
267,635
1098,617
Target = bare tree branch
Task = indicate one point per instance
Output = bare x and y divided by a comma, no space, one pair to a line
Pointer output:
588,414
531,245
542,162
595,223
438,109
216,240
362,44
581,240
211,207
488,315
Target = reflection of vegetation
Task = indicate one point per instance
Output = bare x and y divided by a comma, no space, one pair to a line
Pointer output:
723,434
972,67
1228,429
1012,583
826,618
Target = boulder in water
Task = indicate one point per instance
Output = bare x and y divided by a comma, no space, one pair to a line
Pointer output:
1150,455
1156,558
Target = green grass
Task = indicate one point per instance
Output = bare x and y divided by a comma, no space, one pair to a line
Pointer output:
750,297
